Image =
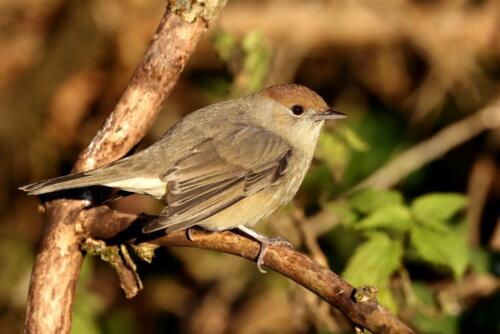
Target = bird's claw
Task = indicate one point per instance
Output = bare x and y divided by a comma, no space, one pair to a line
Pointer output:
265,242
264,245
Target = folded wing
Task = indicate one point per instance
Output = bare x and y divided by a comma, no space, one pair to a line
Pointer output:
219,172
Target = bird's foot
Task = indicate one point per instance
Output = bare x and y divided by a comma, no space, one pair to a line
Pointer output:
265,242
264,245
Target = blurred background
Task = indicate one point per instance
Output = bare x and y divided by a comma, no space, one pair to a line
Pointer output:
425,232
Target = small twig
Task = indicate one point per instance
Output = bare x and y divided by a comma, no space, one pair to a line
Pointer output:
480,181
433,148
309,239
119,259
319,309
455,296
495,238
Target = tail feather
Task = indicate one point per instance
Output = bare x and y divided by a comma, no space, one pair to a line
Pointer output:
78,180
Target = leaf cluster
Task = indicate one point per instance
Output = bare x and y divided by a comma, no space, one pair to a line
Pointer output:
429,231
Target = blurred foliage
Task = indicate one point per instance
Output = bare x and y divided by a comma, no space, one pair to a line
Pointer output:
247,58
402,71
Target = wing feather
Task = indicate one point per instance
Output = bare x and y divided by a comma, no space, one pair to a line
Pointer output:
219,172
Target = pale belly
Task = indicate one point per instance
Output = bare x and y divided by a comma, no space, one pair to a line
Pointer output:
252,209
141,185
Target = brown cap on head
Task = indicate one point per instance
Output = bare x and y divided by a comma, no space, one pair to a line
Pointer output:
293,94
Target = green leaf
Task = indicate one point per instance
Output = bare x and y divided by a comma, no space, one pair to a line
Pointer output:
448,250
481,260
370,200
437,225
225,44
256,62
394,217
352,139
385,297
438,207
374,261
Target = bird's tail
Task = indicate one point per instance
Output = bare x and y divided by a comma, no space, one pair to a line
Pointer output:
78,180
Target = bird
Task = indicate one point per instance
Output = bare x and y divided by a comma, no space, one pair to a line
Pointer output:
225,166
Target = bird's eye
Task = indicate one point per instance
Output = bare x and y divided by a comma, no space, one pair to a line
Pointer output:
297,110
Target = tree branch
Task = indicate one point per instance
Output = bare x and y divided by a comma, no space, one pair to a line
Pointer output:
455,134
366,313
58,261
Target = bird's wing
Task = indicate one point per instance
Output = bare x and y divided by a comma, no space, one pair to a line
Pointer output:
219,172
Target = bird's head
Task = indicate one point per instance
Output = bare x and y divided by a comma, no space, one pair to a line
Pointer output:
297,112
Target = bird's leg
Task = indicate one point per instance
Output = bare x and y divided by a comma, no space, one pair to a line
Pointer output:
265,242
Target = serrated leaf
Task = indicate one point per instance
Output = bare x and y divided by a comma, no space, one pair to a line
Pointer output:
437,225
374,261
370,200
437,207
448,250
352,139
394,217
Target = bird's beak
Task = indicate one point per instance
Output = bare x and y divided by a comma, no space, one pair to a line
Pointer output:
329,114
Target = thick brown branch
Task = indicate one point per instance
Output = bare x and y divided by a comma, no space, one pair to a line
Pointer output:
55,273
301,269
58,262
152,82
298,267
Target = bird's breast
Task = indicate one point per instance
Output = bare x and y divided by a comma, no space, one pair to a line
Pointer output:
298,165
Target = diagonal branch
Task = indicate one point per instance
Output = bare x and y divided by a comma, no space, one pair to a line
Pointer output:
57,266
455,134
363,312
